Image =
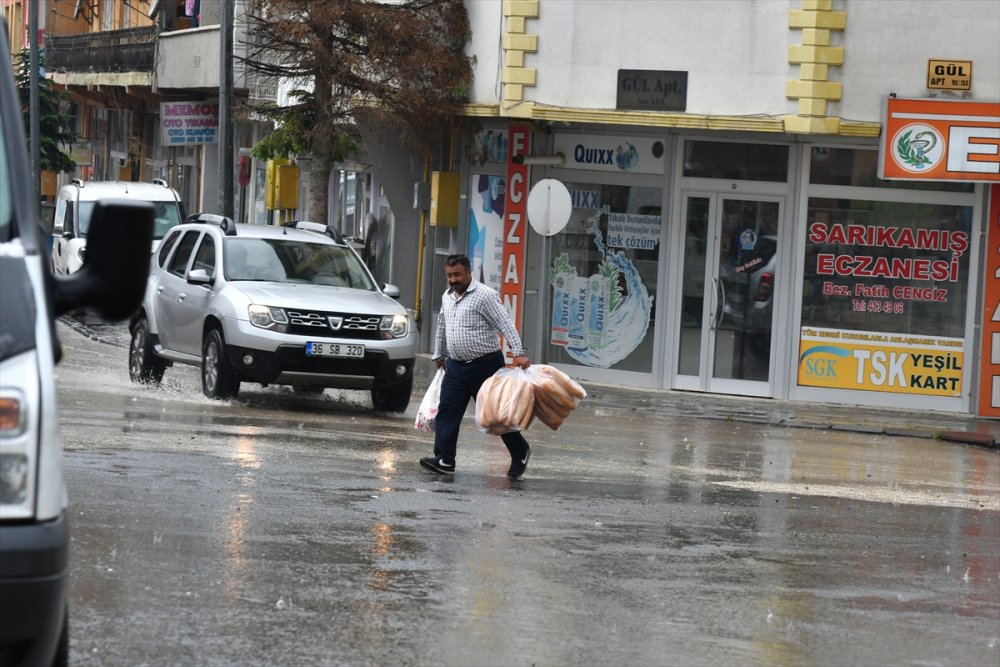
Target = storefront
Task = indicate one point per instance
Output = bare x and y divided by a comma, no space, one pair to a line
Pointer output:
752,265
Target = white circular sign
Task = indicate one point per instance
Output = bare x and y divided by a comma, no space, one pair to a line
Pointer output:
549,206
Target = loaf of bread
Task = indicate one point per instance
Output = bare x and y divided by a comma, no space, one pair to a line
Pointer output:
505,402
556,394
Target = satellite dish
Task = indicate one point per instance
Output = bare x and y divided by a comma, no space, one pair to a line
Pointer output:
549,206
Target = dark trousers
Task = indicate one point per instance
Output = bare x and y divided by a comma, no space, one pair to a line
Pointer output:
462,382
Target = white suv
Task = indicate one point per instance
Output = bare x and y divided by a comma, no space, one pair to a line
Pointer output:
271,305
75,206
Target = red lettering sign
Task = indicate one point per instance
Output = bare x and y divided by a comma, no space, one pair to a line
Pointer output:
515,225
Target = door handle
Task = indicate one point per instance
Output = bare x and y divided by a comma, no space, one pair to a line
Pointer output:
715,302
181,297
722,306
159,289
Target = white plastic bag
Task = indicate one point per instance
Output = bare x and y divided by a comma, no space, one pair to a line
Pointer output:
429,405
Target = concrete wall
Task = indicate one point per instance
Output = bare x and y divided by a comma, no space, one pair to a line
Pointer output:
736,51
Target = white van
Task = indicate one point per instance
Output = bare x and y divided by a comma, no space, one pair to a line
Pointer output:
34,535
75,206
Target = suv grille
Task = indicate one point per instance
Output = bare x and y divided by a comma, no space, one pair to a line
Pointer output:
321,323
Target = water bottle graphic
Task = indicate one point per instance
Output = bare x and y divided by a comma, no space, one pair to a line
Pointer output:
579,303
561,307
599,299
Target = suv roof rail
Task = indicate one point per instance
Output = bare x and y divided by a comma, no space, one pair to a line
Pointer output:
225,224
160,181
318,227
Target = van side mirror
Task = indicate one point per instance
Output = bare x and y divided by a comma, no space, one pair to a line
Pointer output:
112,279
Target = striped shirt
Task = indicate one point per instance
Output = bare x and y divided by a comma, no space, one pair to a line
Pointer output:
468,327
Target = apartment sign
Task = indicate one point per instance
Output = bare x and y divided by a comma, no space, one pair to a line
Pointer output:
940,140
188,123
949,74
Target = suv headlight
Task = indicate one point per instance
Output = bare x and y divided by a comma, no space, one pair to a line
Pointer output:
268,317
394,326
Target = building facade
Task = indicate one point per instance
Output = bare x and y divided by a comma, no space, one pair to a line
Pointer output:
786,198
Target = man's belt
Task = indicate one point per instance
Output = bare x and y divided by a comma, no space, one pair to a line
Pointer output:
477,360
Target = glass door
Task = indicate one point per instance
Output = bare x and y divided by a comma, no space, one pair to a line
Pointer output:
727,298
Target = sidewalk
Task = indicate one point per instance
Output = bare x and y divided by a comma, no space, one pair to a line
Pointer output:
796,414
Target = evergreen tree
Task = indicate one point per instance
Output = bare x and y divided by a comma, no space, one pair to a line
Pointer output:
55,125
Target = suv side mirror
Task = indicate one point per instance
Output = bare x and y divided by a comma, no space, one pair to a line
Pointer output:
390,290
199,277
113,277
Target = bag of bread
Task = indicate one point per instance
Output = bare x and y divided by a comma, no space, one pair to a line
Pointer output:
505,402
556,394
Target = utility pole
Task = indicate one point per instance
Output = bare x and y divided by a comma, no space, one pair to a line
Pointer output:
226,23
34,119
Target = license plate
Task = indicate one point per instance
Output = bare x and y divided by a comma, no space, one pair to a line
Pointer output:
351,351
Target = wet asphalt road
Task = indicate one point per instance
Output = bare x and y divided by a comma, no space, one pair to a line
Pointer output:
281,530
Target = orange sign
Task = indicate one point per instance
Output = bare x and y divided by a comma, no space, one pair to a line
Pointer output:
515,227
989,371
940,140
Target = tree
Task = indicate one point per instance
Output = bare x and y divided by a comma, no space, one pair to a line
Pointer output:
55,125
400,63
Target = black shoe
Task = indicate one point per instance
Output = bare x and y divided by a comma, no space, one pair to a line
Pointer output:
435,464
517,467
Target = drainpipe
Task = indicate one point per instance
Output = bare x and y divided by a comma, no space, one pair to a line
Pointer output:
420,253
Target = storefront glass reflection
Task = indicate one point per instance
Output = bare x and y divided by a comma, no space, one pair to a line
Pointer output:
602,277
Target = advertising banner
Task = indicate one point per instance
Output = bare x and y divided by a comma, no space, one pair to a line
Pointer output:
187,123
989,372
940,140
884,362
515,227
637,155
486,232
633,231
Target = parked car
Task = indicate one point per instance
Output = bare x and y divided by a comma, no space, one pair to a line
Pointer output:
34,532
289,305
75,206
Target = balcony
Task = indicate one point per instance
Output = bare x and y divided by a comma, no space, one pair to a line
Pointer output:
111,51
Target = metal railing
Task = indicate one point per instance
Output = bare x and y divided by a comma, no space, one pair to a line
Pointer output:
130,50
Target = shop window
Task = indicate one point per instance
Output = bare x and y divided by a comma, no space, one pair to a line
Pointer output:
887,267
602,278
859,167
734,161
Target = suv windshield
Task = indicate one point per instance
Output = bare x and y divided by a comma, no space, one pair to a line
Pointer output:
167,215
289,261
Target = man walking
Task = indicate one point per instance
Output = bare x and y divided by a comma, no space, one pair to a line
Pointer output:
467,346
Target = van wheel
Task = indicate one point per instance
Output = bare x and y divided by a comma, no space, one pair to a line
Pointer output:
143,365
393,398
218,378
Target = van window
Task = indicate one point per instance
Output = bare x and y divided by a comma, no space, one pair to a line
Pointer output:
57,222
83,223
167,216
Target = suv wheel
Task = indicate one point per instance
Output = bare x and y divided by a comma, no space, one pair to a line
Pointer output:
143,365
218,379
393,398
